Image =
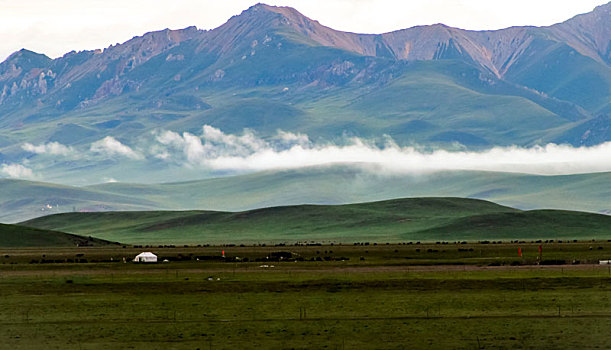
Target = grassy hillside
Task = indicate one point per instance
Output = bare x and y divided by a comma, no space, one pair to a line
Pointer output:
12,236
433,103
340,184
556,224
26,199
337,184
425,219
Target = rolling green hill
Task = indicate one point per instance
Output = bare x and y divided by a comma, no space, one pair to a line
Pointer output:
336,184
26,199
15,236
425,219
341,184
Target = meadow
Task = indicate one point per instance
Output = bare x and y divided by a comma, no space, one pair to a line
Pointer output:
396,296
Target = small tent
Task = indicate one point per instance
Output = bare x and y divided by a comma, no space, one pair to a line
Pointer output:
146,257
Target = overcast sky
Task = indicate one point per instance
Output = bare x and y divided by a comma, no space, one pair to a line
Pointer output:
59,26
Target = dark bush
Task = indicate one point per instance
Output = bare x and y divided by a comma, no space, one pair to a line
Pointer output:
281,255
553,262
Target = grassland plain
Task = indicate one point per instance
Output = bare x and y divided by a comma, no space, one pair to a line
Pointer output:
386,301
417,219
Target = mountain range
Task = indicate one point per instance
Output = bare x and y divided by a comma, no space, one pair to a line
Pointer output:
272,68
271,74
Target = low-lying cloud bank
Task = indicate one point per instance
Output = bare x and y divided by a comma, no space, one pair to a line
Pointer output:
247,152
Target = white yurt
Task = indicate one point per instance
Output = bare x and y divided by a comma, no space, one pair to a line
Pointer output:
146,257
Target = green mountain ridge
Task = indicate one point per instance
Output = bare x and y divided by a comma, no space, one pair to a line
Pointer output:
411,219
339,184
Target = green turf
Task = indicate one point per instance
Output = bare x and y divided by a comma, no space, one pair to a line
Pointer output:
370,304
426,219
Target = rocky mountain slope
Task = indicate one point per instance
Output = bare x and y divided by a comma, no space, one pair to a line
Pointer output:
272,68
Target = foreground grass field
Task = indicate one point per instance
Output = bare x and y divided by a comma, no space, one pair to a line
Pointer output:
386,300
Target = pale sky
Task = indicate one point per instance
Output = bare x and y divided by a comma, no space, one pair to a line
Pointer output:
59,26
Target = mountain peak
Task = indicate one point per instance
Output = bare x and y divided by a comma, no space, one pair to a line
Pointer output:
265,7
283,10
26,54
26,59
264,17
289,14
